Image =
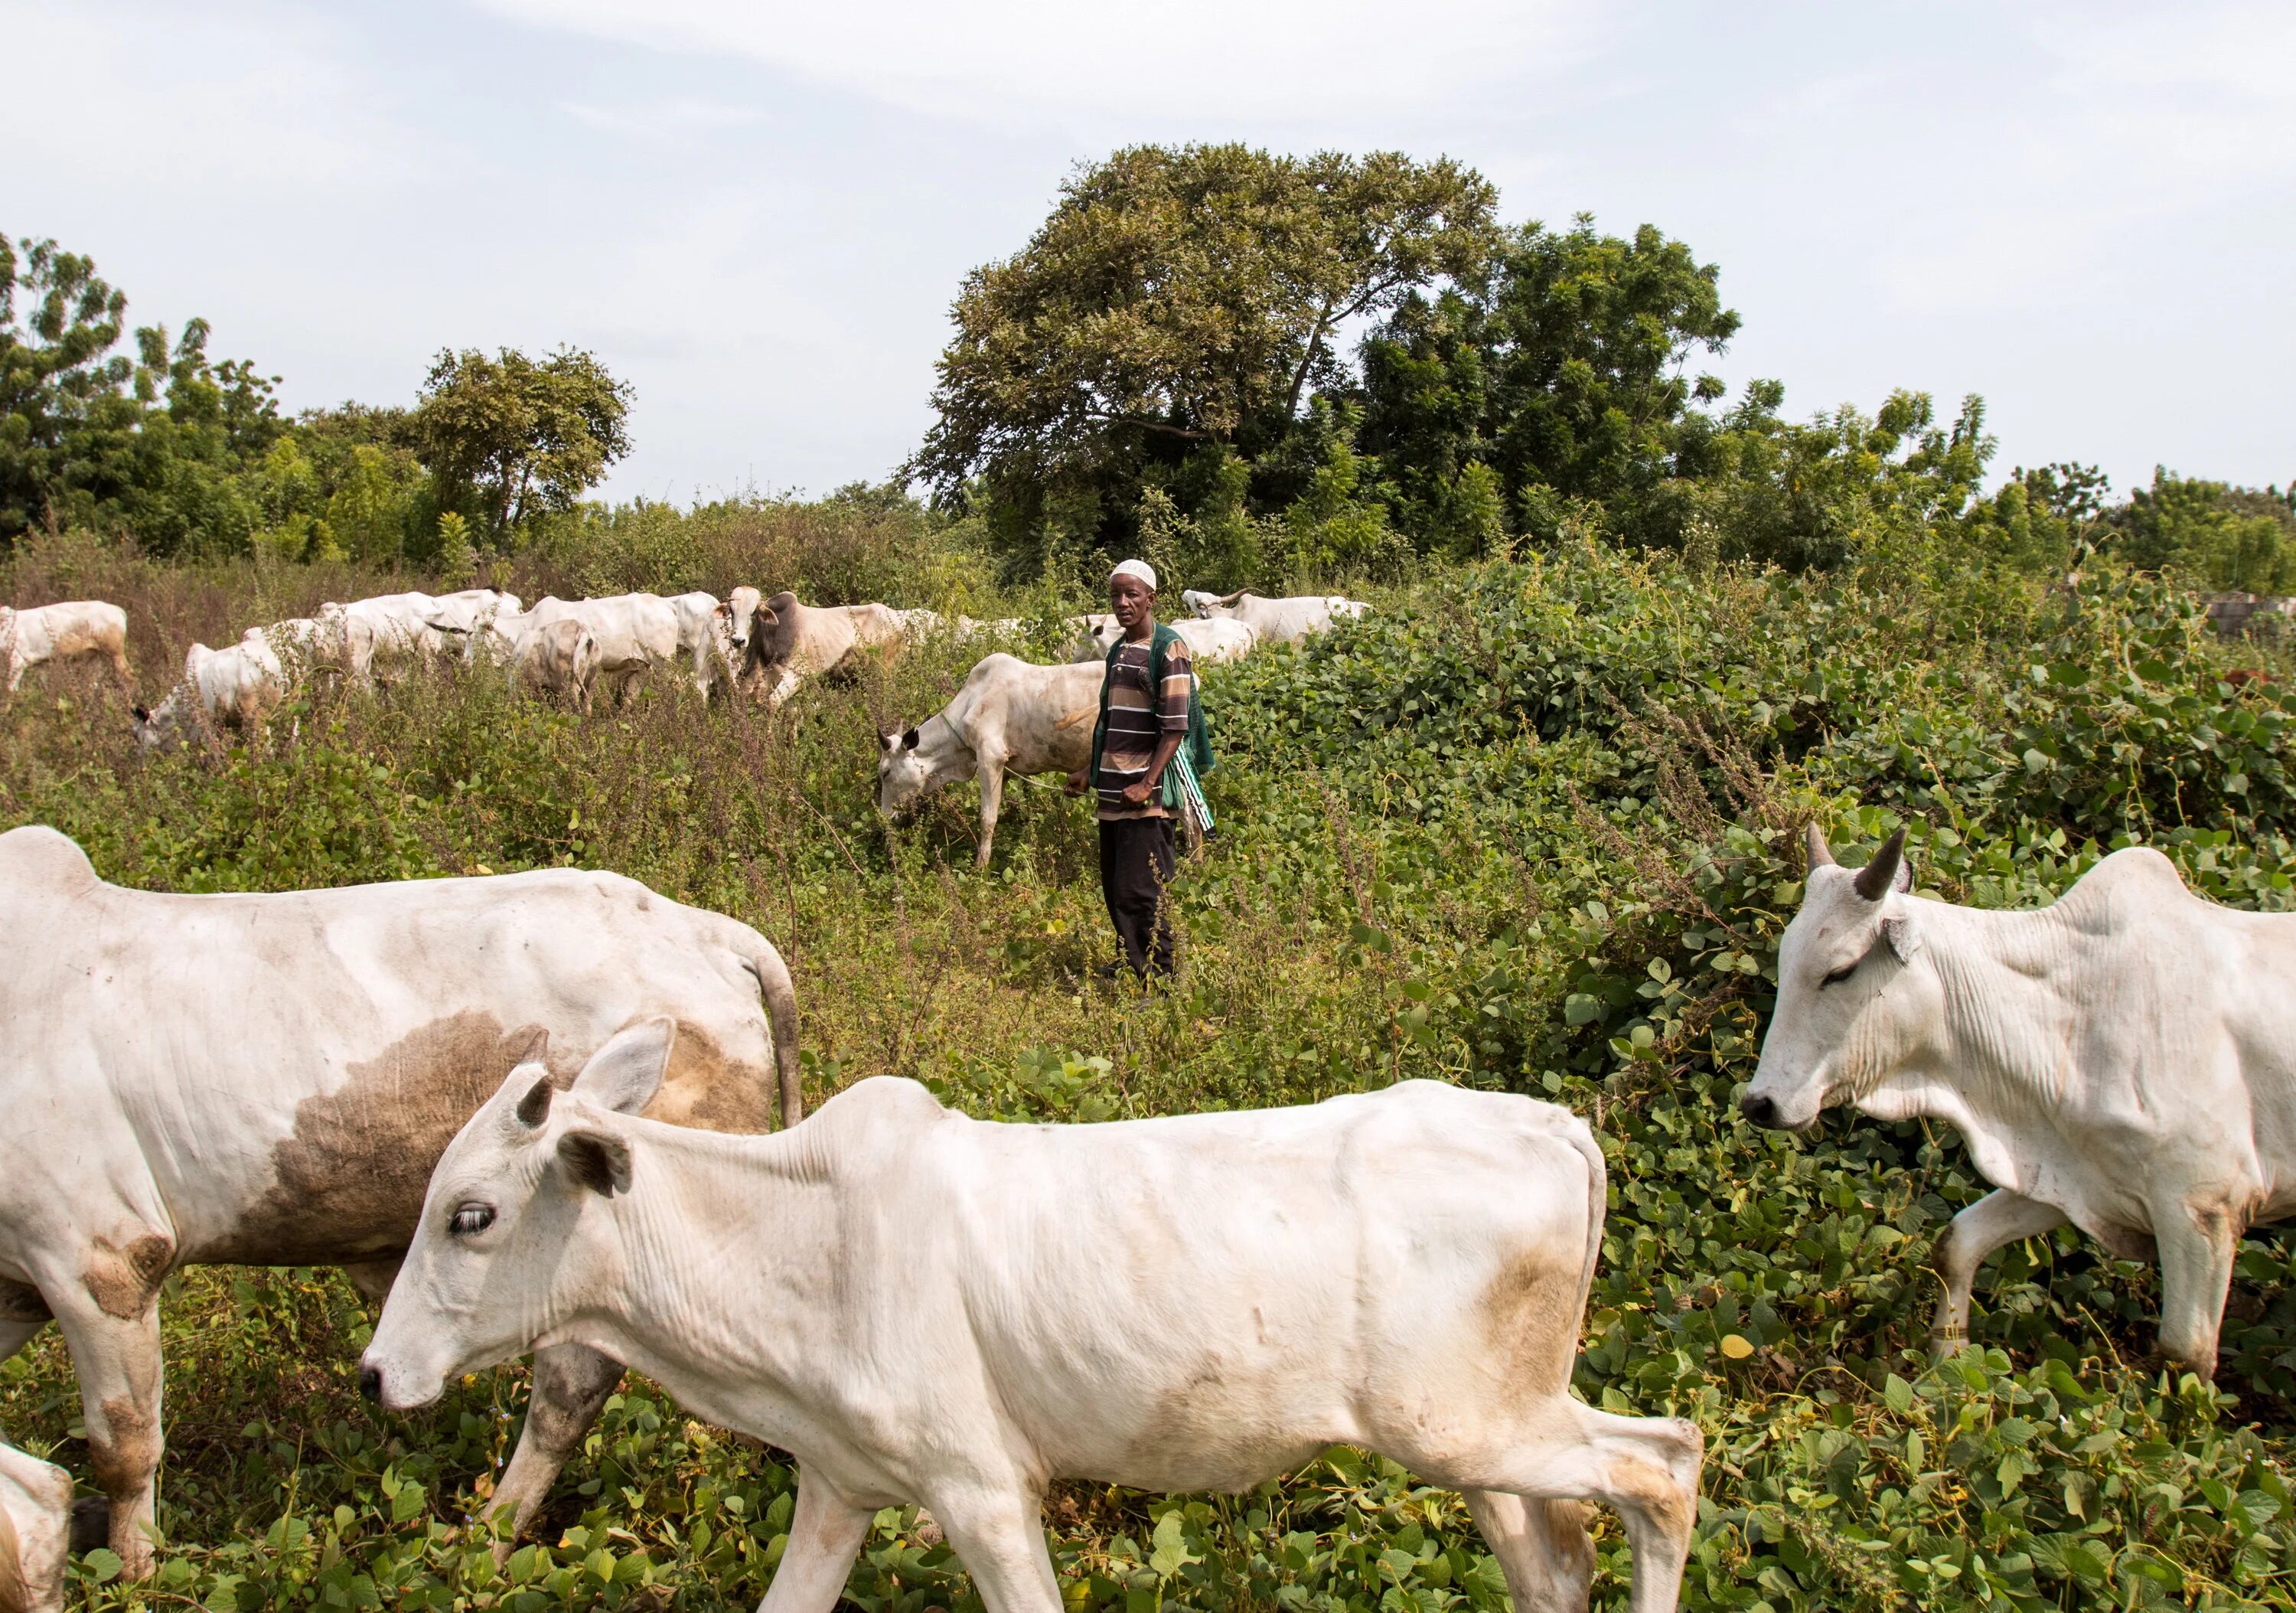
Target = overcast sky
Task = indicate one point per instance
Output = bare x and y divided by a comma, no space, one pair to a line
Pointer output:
759,214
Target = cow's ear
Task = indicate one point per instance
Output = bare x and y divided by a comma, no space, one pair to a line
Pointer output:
624,1075
909,740
598,1160
534,1107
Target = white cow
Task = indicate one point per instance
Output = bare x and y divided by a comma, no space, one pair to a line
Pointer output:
797,641
2124,1059
1012,716
634,632
389,633
266,1080
704,645
237,687
1208,638
926,1308
1275,621
70,631
559,657
460,614
35,1533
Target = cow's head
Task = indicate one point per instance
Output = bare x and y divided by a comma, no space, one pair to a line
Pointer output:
775,631
740,610
495,1264
1096,635
1854,1003
904,772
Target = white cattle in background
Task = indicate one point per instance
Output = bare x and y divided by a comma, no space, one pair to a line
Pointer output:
268,1079
796,641
928,1309
456,619
1275,621
36,1500
559,657
1208,638
2124,1059
235,687
1012,716
74,629
635,633
495,641
703,648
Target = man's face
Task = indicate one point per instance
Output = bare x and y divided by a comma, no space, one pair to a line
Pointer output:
1133,601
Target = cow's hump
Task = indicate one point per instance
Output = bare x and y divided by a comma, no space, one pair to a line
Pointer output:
38,858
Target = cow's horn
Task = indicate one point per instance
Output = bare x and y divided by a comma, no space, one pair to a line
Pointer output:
1875,879
1821,855
1231,598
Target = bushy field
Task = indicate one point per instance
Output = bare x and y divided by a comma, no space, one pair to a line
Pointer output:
1533,825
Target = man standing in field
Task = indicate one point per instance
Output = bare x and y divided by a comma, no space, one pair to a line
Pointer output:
1147,750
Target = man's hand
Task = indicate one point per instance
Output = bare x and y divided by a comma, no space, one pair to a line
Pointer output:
1136,794
1076,782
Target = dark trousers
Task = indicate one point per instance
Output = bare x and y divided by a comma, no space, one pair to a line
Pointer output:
1137,859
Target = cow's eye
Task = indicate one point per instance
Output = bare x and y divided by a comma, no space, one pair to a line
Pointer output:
1841,973
473,1219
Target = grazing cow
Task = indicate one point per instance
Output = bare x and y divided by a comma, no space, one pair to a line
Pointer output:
237,687
1012,716
1208,638
797,641
35,1502
1275,621
458,615
634,632
2124,1059
928,1308
70,631
266,1080
559,657
390,633
494,642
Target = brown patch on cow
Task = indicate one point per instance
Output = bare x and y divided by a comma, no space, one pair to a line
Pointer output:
22,1301
2127,1243
124,1280
349,1179
15,1596
1566,1524
1530,1313
1649,1488
710,1091
125,1456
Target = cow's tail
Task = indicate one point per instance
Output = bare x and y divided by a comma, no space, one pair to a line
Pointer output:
780,1011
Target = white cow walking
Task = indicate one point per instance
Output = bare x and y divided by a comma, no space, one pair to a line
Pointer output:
266,1080
1012,716
1285,620
1208,638
925,1308
73,630
559,657
236,688
2124,1059
795,641
635,633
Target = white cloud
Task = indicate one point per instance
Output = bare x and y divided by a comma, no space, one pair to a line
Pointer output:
1273,61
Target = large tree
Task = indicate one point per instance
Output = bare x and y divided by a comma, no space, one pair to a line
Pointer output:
1180,301
511,435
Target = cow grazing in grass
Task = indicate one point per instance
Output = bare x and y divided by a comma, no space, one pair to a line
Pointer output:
1012,716
235,687
561,658
636,633
796,641
703,646
266,1080
35,1533
2124,1059
1275,621
925,1308
74,631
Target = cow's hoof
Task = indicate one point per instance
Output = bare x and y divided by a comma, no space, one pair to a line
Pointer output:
91,1524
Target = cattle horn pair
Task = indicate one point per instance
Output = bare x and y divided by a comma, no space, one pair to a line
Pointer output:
1875,879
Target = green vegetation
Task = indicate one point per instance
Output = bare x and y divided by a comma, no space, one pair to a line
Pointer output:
1532,826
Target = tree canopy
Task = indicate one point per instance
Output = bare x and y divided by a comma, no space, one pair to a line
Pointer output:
515,434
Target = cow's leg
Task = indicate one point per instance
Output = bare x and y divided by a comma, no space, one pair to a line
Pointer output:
1645,1467
992,802
116,1360
825,1531
999,1536
1543,1548
2000,1217
570,1388
2197,1243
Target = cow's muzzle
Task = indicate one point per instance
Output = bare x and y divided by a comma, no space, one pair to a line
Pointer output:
370,1383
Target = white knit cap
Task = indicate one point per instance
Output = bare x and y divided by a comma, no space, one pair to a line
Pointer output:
1136,568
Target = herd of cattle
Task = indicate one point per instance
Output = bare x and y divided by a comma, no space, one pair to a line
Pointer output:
532,1114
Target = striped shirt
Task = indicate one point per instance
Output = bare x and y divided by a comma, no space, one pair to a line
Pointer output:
1138,717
